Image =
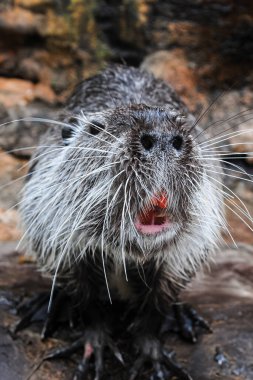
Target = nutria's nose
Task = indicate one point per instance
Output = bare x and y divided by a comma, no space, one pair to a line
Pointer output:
148,141
164,141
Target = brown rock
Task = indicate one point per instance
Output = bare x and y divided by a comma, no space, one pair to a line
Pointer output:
55,26
30,69
228,110
247,97
11,171
21,21
9,230
230,275
243,142
15,92
19,132
143,9
32,3
45,93
174,68
40,65
239,226
186,33
19,92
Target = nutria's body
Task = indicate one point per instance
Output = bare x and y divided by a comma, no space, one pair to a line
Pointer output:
119,203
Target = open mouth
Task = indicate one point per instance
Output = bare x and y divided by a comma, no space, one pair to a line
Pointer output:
154,219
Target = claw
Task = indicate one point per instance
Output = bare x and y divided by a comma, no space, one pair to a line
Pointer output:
188,321
59,307
160,372
81,370
94,340
136,368
200,321
186,324
36,312
64,352
176,368
93,348
163,362
116,352
98,362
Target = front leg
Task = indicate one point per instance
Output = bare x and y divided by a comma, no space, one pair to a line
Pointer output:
93,343
157,301
151,351
79,306
184,320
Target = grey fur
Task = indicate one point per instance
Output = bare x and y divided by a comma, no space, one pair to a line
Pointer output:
85,190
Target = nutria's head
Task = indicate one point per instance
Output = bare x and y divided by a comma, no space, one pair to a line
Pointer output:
136,186
129,181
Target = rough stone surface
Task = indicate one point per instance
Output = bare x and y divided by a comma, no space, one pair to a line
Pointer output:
174,67
243,142
12,358
20,20
18,92
33,3
19,133
224,296
11,172
9,221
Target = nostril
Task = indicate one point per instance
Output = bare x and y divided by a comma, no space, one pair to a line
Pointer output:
177,142
147,141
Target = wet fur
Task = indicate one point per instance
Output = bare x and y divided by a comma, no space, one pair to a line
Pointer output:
84,192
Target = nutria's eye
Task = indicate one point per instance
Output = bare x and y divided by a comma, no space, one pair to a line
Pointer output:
67,132
177,142
95,127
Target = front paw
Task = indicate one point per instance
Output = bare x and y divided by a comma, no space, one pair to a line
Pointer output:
151,352
93,343
185,320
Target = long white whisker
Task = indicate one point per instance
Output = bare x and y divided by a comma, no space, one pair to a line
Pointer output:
223,146
122,227
221,138
230,175
101,129
244,113
249,154
223,171
231,191
236,196
37,119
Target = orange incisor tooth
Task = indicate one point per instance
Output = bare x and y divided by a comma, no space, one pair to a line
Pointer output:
160,201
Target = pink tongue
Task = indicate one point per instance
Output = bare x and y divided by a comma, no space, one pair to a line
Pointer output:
150,223
150,229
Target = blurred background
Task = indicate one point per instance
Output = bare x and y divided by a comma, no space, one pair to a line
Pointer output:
203,48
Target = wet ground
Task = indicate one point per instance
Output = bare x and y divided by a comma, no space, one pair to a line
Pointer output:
224,296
